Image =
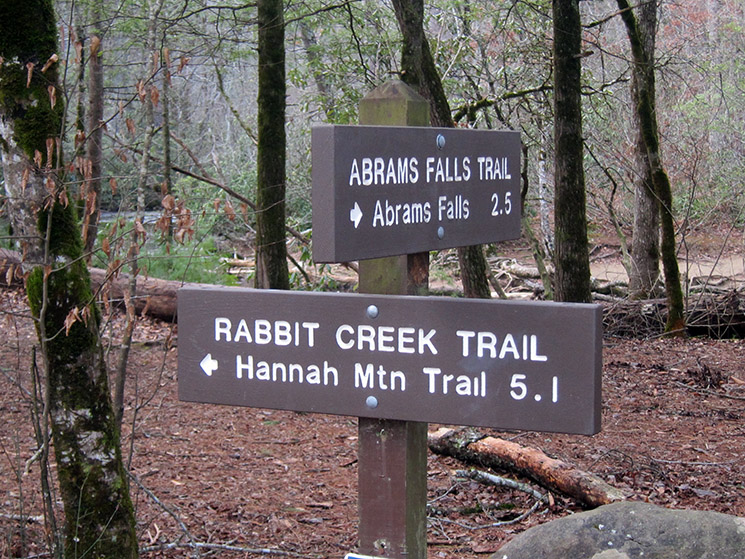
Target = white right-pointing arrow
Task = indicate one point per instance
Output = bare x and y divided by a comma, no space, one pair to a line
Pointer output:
208,364
355,215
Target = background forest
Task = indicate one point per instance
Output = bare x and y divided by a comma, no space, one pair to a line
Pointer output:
178,80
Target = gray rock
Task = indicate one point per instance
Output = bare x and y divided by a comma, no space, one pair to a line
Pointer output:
630,530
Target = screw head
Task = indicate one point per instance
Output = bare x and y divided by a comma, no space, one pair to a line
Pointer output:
371,402
440,141
440,232
372,311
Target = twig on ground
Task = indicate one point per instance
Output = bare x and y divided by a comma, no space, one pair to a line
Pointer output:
166,508
686,463
709,392
491,479
225,547
520,518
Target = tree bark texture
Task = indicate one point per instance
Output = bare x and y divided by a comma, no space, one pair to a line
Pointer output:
571,254
663,190
91,194
271,248
99,517
645,247
419,71
553,474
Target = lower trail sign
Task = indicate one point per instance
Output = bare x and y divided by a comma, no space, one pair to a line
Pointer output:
508,365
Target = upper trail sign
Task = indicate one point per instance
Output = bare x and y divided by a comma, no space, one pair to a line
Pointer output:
386,190
511,365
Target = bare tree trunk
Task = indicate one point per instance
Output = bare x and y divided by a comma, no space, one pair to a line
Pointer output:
165,99
419,71
572,260
92,200
645,247
99,517
310,44
271,247
648,120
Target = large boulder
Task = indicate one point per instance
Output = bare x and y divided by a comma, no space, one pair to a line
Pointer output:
630,530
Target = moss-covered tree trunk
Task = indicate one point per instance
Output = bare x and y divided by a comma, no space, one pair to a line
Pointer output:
99,518
646,111
271,247
571,256
419,71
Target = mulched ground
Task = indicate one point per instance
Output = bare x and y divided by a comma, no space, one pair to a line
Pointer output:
261,483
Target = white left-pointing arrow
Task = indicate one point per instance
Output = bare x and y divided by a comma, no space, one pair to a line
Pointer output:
355,215
208,364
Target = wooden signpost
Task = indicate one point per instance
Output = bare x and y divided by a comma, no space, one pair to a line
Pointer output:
395,360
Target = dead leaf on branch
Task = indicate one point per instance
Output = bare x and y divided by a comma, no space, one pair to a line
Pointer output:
183,61
72,317
90,203
29,73
78,51
79,138
95,45
50,152
141,92
52,59
10,274
140,229
63,197
114,185
121,155
229,211
130,126
52,95
168,202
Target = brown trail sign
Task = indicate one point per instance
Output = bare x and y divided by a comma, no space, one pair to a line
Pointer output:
490,363
390,190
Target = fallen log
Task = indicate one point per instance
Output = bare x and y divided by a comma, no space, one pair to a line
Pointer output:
555,475
154,297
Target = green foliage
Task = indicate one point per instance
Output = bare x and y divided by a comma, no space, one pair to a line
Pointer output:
190,262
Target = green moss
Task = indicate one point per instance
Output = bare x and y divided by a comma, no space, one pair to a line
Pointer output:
29,106
27,29
65,237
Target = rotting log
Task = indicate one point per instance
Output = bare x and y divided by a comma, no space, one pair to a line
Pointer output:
555,475
155,297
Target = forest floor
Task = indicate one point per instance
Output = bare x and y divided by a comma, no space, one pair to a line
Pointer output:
260,483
